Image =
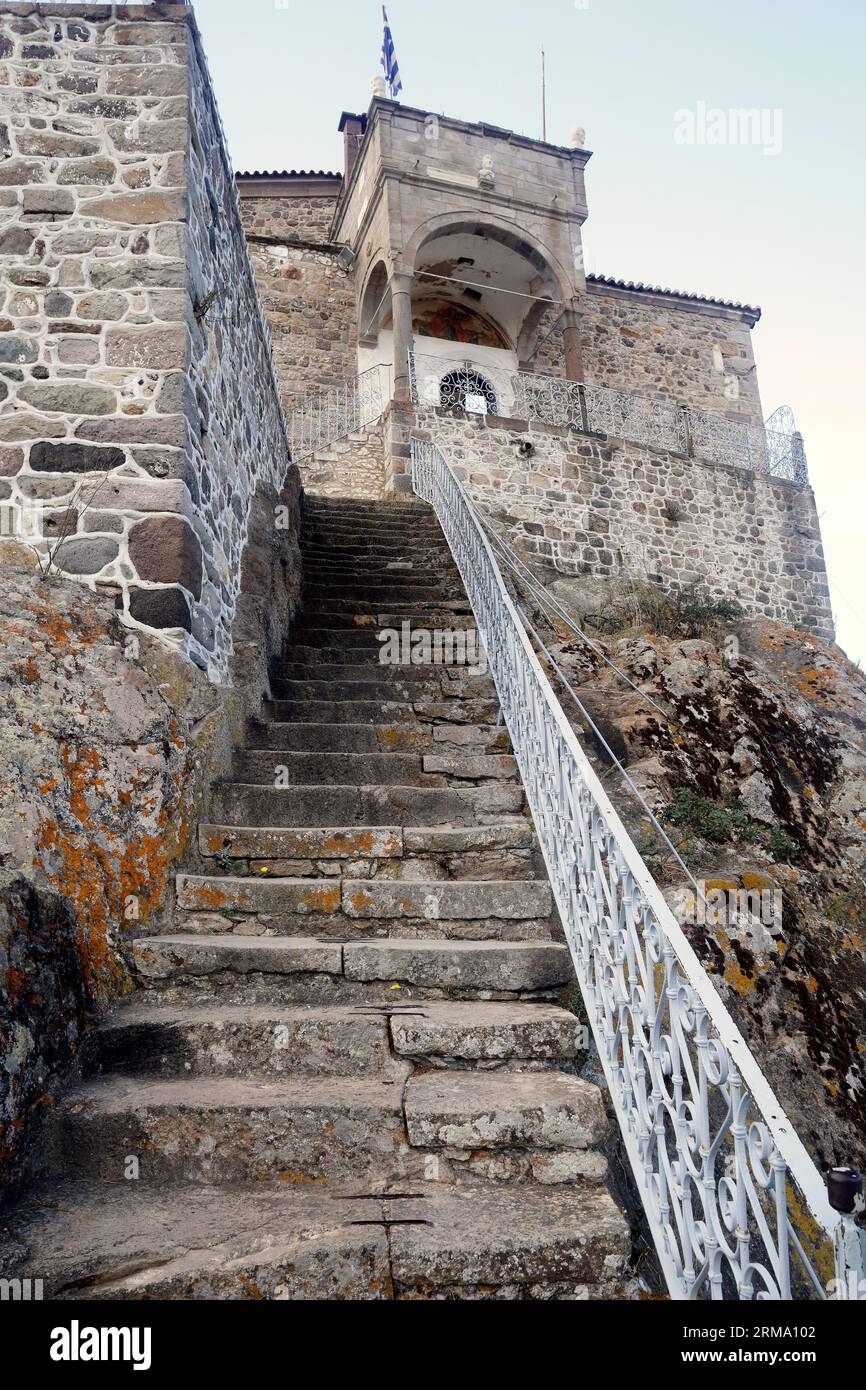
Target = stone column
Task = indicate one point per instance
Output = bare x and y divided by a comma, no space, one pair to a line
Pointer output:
401,316
571,343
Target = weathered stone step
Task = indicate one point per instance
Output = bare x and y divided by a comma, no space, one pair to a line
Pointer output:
369,623
288,767
379,738
352,654
463,969
438,612
396,564
324,591
473,1033
500,967
376,672
433,683
334,769
342,738
306,842
503,851
403,539
516,1243
411,712
239,803
274,1241
374,550
171,957
371,510
378,571
219,1040
231,1129
301,901
336,638
362,842
503,1109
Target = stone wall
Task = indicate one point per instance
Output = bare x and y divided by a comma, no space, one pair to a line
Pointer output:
588,505
308,299
694,352
139,411
144,463
111,744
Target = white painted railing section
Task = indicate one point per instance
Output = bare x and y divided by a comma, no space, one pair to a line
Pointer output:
481,388
327,416
730,1193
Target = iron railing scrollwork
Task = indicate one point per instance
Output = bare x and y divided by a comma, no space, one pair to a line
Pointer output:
736,1207
330,415
482,387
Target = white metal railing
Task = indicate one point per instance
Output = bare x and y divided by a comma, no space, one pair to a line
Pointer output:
736,1206
482,388
330,415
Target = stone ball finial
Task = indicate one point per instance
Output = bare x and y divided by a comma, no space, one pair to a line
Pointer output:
377,86
577,138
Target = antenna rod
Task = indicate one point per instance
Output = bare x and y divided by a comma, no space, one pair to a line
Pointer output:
543,99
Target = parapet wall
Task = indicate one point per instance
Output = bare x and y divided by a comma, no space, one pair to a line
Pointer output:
581,504
139,408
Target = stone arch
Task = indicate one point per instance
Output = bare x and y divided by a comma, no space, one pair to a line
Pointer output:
375,301
509,244
499,229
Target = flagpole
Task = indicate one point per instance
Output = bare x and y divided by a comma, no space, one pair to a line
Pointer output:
543,99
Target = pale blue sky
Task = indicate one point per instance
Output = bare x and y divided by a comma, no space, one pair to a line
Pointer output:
785,231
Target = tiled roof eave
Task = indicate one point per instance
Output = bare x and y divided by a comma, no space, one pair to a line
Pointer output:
639,287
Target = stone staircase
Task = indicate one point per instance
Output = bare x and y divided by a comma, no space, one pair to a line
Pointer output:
346,1073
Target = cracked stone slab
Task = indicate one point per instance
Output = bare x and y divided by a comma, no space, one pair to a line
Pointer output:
483,1110
257,1242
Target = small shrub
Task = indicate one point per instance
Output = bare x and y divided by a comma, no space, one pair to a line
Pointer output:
726,822
689,612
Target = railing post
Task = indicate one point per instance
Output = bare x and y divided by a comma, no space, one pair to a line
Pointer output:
845,1191
799,467
584,408
686,430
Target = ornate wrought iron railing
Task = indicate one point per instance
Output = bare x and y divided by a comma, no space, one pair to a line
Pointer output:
481,387
331,415
736,1207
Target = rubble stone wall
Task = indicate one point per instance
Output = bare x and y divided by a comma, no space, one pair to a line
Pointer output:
308,299
697,354
588,505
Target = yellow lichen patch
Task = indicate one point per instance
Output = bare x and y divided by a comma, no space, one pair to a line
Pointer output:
814,1239
812,984
322,899
754,882
721,885
206,896
358,901
738,979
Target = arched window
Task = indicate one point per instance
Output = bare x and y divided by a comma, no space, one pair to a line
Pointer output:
468,390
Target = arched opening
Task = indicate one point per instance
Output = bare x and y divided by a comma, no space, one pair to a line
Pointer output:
375,309
466,389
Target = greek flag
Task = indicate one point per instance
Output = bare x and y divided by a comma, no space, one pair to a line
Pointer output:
389,61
